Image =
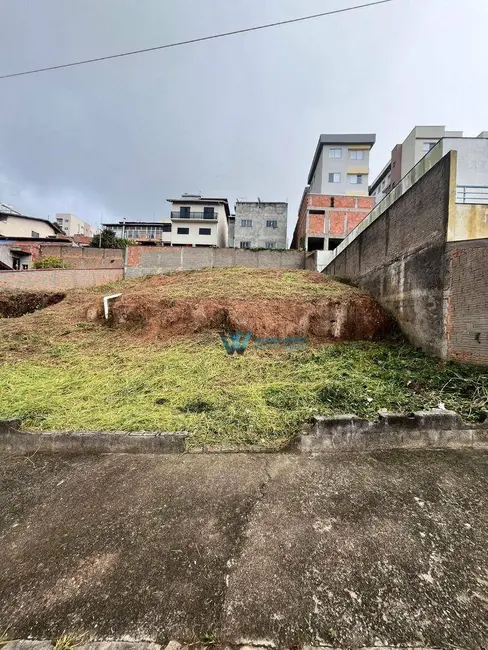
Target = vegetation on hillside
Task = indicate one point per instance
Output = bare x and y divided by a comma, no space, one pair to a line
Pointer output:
60,372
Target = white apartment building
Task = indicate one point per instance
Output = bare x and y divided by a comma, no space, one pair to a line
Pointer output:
193,221
199,221
340,166
406,155
71,225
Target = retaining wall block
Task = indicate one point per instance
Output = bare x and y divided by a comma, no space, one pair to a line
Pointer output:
13,441
435,428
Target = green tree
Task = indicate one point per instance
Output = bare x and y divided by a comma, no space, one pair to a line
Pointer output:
109,240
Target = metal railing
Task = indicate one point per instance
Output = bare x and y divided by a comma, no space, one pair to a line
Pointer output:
194,215
472,194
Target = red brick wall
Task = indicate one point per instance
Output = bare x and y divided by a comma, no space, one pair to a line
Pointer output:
316,224
73,256
466,320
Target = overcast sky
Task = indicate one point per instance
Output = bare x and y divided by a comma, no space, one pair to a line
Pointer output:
237,117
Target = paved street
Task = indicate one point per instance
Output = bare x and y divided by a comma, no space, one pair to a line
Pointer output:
346,550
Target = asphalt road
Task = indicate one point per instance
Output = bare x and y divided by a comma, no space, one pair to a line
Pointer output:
386,548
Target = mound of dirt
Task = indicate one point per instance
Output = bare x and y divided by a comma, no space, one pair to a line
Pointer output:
355,316
14,304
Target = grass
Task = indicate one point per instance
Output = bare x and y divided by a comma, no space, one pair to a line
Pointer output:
62,373
262,397
237,283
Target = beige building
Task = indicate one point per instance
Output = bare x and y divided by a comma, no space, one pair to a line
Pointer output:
72,226
17,226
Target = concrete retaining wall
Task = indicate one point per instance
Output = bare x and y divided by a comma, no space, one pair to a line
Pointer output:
151,260
435,428
17,442
399,257
53,279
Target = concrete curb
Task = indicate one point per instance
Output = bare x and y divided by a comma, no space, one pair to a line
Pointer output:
421,429
15,442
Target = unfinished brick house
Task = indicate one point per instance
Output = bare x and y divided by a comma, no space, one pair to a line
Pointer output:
324,221
336,198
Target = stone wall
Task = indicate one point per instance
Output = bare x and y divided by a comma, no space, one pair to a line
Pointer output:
400,258
54,279
150,260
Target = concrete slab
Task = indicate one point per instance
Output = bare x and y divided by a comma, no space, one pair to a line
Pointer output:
386,548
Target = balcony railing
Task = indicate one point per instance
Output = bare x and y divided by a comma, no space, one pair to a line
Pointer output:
211,216
472,194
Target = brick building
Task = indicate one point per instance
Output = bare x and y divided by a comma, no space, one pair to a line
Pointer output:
324,220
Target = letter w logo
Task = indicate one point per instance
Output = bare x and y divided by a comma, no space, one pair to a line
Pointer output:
233,343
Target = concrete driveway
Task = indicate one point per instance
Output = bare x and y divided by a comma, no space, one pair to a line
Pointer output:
348,550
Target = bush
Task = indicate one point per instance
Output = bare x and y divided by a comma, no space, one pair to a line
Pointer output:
50,263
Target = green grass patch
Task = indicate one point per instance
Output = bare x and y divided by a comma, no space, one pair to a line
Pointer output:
98,380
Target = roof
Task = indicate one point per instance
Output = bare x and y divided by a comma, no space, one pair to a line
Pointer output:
339,138
6,239
54,226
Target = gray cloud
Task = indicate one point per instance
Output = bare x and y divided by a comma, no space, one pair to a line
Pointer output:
238,117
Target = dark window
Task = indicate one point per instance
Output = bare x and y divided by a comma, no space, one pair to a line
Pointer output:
166,227
245,244
205,231
208,213
322,212
34,234
272,223
3,218
25,267
270,244
184,212
183,231
246,223
16,264
331,201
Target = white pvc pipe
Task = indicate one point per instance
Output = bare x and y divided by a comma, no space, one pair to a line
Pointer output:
105,303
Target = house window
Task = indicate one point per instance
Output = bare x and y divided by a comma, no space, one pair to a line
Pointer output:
205,231
208,213
334,178
270,244
428,146
166,227
34,234
272,223
246,223
183,231
335,152
184,212
25,267
355,179
245,244
356,154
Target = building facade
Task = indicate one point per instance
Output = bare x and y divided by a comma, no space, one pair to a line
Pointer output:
193,221
406,155
336,198
324,220
14,226
199,221
71,225
260,225
341,165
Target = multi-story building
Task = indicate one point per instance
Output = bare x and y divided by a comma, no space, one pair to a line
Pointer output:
260,225
193,221
71,225
406,155
199,221
336,198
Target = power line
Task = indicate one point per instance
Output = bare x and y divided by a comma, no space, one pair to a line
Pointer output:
196,40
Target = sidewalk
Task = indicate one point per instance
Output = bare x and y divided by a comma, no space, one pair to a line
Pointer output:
385,548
